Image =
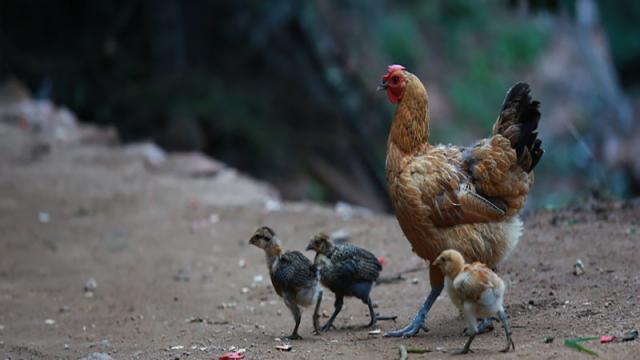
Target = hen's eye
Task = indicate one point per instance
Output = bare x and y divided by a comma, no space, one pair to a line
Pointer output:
395,79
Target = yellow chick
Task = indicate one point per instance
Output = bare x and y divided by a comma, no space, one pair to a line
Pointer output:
476,290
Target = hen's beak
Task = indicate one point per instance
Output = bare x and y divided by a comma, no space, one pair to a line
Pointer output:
253,240
383,86
309,247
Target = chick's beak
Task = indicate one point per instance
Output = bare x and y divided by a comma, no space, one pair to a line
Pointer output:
253,240
383,85
309,247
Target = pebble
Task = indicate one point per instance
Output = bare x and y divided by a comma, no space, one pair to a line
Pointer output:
90,285
43,217
50,322
97,356
182,275
578,268
415,281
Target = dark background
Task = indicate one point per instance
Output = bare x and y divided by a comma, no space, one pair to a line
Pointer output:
285,90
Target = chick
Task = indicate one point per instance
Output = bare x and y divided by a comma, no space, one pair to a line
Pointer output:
346,270
295,279
476,290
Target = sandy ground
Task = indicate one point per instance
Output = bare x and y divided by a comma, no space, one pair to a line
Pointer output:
166,253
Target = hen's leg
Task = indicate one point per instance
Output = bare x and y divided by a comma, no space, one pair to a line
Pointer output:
338,307
375,317
507,332
418,321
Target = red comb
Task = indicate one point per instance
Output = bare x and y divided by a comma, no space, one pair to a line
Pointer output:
391,69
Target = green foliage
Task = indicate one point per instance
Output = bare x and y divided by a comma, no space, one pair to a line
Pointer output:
400,39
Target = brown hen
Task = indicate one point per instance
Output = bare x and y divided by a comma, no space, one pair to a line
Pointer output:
462,198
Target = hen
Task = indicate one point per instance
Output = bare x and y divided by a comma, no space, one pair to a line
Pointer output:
451,197
346,270
476,291
293,276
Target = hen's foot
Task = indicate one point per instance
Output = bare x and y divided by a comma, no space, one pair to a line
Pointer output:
408,331
294,336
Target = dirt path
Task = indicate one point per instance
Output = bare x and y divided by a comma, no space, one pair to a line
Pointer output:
166,254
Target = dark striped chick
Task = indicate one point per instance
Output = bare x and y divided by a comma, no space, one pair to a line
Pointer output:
294,277
346,270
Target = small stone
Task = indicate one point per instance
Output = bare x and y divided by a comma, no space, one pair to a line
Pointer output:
182,275
415,281
97,356
284,347
244,290
50,322
66,346
43,217
176,347
90,285
578,268
548,339
64,309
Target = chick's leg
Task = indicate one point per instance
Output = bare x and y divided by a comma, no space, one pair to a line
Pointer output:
507,331
338,306
437,284
473,328
375,317
486,325
295,311
316,316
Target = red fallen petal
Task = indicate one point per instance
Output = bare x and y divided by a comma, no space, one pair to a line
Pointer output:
606,339
232,356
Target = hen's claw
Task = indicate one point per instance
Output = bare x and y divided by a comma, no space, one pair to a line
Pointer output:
408,331
418,321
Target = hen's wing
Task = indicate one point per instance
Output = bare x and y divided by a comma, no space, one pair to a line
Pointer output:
490,180
448,190
501,166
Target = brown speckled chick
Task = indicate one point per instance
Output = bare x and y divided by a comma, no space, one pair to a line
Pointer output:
293,276
346,270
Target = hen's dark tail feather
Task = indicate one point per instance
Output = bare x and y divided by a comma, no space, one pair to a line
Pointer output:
518,122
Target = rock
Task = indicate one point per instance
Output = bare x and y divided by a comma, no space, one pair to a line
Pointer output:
578,268
43,217
152,155
97,356
90,285
182,275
